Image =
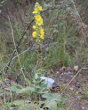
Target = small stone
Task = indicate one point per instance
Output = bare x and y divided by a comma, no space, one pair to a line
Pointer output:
57,72
76,68
71,88
83,108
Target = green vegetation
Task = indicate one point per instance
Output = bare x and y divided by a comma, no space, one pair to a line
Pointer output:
21,56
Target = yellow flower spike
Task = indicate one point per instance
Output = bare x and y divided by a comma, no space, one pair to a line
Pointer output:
34,34
39,31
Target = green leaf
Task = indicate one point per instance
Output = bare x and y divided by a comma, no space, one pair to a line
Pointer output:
52,105
26,90
52,96
30,106
53,101
15,88
19,102
7,104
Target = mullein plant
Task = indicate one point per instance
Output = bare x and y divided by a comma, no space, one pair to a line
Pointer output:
38,31
38,34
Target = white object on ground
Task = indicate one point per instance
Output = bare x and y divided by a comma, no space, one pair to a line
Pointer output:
76,68
48,81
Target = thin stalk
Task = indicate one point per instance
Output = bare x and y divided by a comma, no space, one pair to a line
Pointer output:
13,38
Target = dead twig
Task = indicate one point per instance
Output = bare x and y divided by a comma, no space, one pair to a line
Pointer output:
73,78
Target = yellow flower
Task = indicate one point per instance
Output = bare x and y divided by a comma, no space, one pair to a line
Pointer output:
34,34
35,11
34,27
40,8
41,36
42,33
39,20
38,17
